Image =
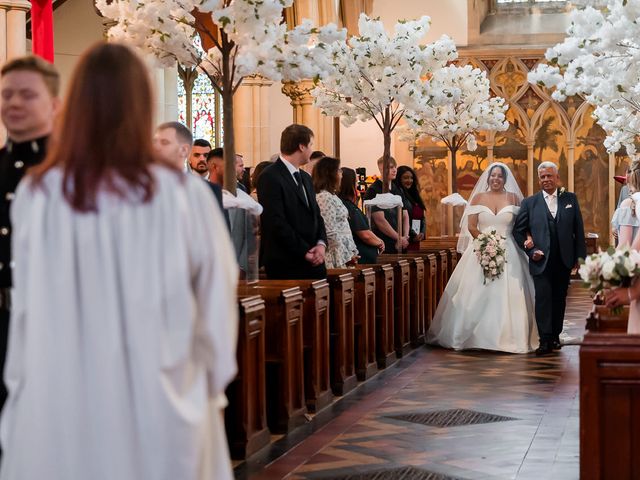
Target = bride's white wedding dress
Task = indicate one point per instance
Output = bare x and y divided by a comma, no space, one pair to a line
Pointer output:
498,315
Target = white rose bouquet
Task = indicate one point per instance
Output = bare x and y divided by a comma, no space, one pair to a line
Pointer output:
612,268
490,248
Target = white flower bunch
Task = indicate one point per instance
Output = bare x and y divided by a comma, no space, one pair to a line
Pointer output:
600,59
467,107
611,268
491,249
376,75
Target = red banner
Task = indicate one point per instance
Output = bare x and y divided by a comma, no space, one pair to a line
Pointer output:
42,28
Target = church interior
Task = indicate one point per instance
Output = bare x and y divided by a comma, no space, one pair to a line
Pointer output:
335,377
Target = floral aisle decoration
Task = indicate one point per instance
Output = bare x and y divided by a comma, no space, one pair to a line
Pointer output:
240,38
379,76
600,60
490,248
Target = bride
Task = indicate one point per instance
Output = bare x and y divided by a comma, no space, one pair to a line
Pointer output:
497,314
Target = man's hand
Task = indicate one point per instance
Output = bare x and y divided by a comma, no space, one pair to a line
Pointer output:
537,255
528,243
315,255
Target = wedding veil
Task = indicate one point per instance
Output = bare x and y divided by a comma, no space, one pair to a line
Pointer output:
482,185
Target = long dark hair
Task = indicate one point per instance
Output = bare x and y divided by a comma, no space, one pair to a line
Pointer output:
325,175
413,193
104,137
347,189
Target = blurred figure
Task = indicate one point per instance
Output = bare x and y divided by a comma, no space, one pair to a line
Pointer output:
255,176
385,222
625,220
240,173
367,243
117,370
313,159
341,249
198,157
407,182
29,89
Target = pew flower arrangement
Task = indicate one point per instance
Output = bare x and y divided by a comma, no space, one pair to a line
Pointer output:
600,60
491,249
241,38
377,76
609,269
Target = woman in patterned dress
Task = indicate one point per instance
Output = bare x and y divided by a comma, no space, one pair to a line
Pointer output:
341,250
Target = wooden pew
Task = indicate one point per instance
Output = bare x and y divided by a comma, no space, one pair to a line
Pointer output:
442,259
246,415
402,302
609,406
364,321
286,406
316,293
385,313
431,295
603,320
417,295
343,375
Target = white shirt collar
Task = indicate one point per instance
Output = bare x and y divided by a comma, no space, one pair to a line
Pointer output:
547,195
289,166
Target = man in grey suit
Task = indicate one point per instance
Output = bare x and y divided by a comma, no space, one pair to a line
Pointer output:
552,217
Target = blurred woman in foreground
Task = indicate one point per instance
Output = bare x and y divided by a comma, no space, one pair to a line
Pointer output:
124,327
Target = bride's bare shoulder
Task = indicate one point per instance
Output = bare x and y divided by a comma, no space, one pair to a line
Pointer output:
513,198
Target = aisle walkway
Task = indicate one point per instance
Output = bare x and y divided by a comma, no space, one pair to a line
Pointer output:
441,415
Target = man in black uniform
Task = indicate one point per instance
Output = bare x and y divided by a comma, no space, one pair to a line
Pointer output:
29,101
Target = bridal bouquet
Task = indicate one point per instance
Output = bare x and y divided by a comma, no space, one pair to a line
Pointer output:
490,248
611,268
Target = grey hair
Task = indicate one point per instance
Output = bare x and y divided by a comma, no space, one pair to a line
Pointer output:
547,165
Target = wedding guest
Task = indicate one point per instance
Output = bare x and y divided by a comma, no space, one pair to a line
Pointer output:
367,243
198,157
624,220
118,368
313,159
255,176
407,182
341,249
385,222
29,88
240,173
293,233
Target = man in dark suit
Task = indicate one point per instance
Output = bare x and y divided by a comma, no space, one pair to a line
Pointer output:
29,87
553,218
293,233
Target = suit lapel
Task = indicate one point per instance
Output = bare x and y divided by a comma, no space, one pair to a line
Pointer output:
291,182
560,205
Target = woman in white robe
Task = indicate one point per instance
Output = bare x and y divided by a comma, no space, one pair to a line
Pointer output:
124,326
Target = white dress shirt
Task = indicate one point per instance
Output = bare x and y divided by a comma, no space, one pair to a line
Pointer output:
552,202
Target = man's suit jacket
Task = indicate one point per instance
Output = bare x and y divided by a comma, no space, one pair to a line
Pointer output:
534,217
289,227
217,192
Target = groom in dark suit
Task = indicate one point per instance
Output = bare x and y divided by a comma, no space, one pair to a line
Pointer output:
293,233
552,217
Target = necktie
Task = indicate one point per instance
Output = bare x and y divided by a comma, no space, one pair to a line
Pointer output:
552,202
301,189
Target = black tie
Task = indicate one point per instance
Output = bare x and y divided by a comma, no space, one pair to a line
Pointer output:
301,189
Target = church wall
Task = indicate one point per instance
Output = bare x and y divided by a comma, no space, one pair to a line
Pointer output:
280,115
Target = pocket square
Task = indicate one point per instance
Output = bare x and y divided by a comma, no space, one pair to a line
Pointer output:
569,206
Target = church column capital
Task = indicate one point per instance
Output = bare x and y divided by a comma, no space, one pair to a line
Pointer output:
256,81
299,92
23,5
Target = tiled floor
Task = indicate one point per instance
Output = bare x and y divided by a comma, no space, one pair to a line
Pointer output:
539,440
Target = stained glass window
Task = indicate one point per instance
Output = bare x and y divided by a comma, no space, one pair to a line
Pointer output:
204,118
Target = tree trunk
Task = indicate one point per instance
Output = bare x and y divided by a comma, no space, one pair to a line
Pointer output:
454,170
229,146
386,154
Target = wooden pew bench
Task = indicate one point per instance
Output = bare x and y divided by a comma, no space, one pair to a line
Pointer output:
246,415
385,313
364,320
286,406
316,312
343,375
402,302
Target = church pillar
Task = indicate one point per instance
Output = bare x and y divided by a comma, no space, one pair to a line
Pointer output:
170,94
306,114
251,120
613,200
14,28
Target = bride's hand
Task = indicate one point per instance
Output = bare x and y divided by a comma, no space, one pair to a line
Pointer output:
617,297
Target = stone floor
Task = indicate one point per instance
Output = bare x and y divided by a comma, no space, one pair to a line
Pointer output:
388,427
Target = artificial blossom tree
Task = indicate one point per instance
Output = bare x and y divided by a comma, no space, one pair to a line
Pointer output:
600,60
378,76
241,38
469,110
